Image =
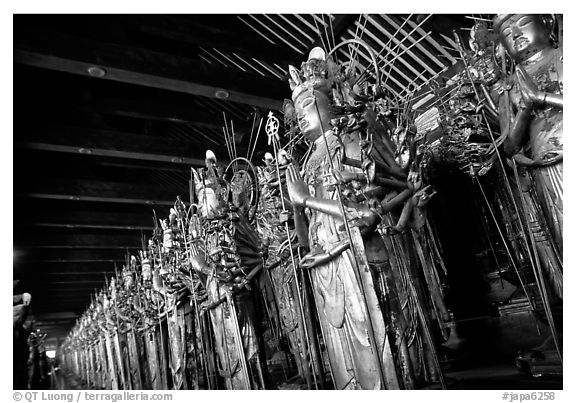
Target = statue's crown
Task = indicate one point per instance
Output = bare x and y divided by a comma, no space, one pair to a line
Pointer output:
209,176
313,74
547,19
499,20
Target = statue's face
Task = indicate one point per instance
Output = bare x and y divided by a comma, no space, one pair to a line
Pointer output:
313,113
128,281
524,35
146,271
207,201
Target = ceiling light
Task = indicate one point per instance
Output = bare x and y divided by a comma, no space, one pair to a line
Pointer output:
95,71
222,94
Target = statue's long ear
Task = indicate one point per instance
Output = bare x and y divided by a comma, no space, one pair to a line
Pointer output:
317,53
295,80
164,224
196,176
294,74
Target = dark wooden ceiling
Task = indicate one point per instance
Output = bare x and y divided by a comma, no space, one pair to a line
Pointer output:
110,112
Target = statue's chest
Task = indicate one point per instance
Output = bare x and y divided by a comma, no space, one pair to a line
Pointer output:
327,155
549,76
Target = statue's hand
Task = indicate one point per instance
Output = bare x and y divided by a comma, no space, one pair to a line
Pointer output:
284,216
241,284
530,93
204,307
297,188
414,180
343,177
224,276
362,217
390,230
337,177
422,197
313,259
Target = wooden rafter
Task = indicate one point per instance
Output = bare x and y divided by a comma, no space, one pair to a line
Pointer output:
148,68
111,144
79,241
92,219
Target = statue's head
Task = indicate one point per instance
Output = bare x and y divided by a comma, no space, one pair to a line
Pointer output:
207,184
523,35
479,37
112,288
127,278
284,158
105,302
311,94
146,270
268,160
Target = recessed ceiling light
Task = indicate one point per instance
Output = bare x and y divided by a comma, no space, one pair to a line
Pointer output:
222,94
95,71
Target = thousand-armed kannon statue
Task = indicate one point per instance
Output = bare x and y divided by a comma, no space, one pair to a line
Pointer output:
324,265
351,182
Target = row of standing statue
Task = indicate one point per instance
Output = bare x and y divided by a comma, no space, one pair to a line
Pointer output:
324,267
31,367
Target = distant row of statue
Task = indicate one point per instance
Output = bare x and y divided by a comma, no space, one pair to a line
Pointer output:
30,364
321,262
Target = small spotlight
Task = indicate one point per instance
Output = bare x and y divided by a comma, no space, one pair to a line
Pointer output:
222,94
95,71
50,353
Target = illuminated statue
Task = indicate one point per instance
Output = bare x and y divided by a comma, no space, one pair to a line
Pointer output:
277,232
531,114
21,307
531,120
225,254
351,179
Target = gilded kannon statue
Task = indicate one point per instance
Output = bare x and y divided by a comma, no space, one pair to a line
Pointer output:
278,237
531,120
224,253
339,197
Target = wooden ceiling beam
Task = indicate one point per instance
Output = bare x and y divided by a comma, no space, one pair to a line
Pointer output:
73,241
154,108
56,288
133,164
74,282
64,295
56,317
109,143
339,26
166,111
220,36
101,191
148,68
48,278
69,268
71,256
80,246
91,219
